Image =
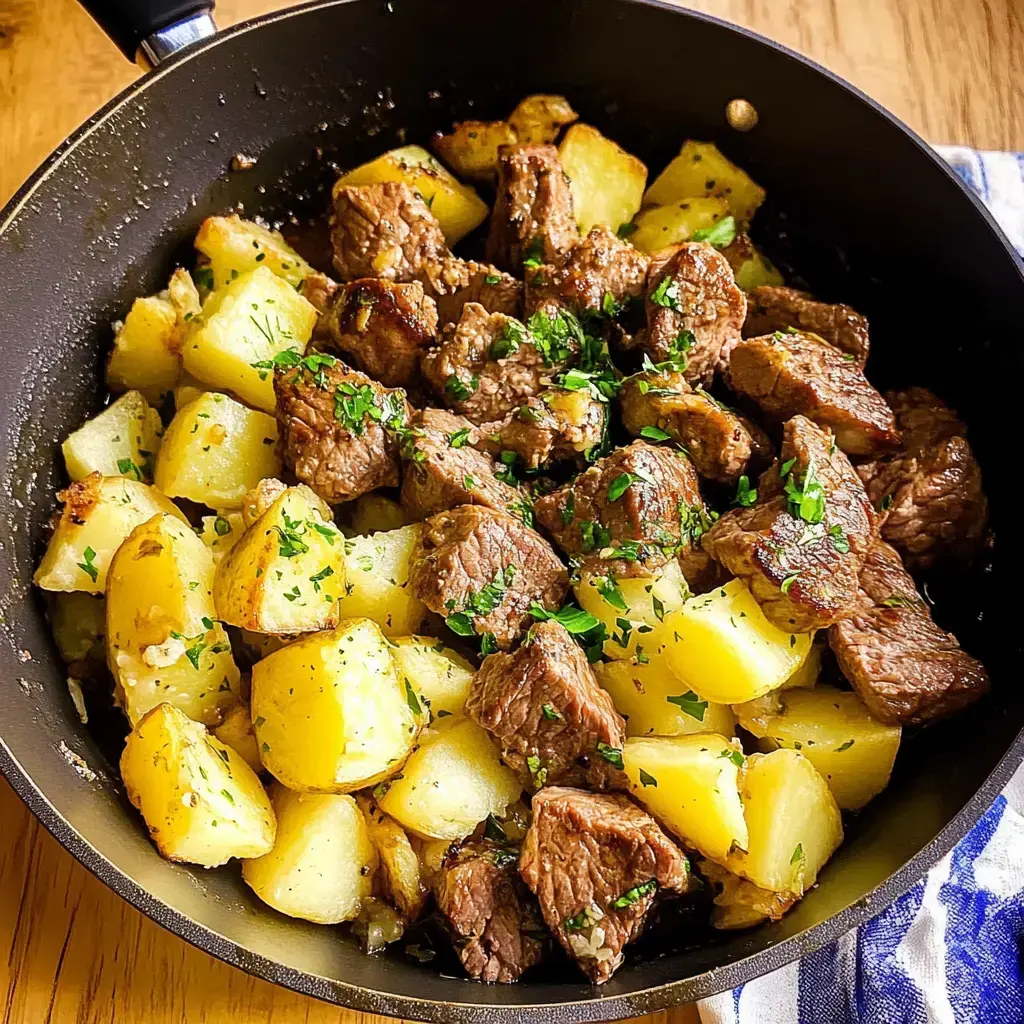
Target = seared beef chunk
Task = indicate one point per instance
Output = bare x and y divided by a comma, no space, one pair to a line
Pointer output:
443,471
544,707
771,309
385,231
932,489
600,265
487,365
801,548
482,569
319,291
905,669
693,309
595,861
339,430
533,216
555,426
453,283
629,513
496,929
790,374
384,327
722,445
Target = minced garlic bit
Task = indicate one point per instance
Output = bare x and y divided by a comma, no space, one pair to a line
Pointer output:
164,655
78,699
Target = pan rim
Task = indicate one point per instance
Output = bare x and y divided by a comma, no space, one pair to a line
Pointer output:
644,1000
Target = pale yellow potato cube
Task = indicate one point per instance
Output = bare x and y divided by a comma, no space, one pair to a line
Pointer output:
793,823
201,802
331,713
653,703
99,512
471,149
750,267
164,644
457,207
377,575
145,355
451,783
439,675
249,322
375,513
215,451
724,648
402,873
120,441
833,729
658,227
235,246
286,573
606,182
78,622
702,170
540,118
236,732
220,533
807,674
741,904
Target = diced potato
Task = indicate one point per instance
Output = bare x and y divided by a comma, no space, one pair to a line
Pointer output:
793,823
807,674
322,865
451,783
375,513
265,493
235,246
184,297
163,644
471,150
330,711
741,904
606,182
201,802
540,118
286,574
250,321
660,226
121,441
852,751
99,512
643,602
236,732
653,703
403,882
377,574
79,622
145,356
220,533
724,648
438,674
691,785
215,450
750,267
701,170
457,207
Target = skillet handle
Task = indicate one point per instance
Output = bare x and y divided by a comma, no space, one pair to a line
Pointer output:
150,31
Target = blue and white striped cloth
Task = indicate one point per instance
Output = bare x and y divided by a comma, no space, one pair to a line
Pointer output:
951,950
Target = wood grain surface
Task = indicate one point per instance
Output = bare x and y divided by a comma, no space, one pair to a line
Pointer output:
953,69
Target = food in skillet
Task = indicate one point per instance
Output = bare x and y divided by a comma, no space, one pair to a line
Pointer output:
521,592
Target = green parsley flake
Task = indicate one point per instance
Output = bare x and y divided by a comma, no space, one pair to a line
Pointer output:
613,755
635,895
690,704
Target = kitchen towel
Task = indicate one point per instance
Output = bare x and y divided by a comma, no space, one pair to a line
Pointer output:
949,951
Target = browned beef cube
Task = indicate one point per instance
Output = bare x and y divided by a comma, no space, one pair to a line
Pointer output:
600,265
454,282
800,550
384,327
722,445
793,374
905,669
482,569
443,470
693,309
383,231
486,365
595,862
544,707
533,215
630,513
932,490
494,921
339,430
771,309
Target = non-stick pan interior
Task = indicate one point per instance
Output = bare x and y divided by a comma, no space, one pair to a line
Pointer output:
855,208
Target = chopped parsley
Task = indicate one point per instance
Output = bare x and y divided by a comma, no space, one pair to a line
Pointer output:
626,229
845,746
654,434
798,854
458,391
593,535
690,704
667,294
745,494
646,779
459,439
839,539
608,588
488,644
806,498
290,542
736,756
88,567
221,526
720,234
480,603
537,770
128,468
635,895
613,755
410,699
492,279
551,713
510,337
788,581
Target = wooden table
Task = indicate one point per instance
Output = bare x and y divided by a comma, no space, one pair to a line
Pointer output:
75,952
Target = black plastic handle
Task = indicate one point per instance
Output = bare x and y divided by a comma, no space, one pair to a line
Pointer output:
128,22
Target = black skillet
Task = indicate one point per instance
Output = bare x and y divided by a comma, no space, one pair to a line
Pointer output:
858,205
